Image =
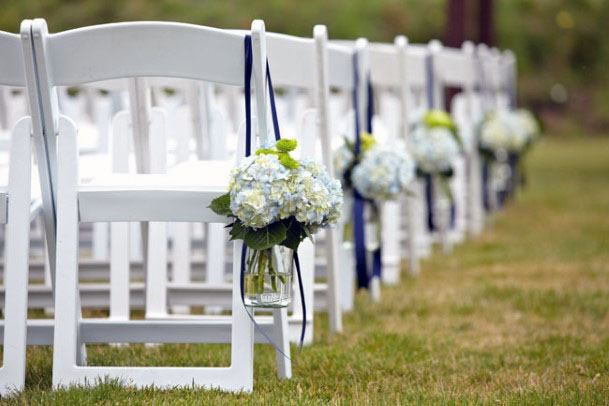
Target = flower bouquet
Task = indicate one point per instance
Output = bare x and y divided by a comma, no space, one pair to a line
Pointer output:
378,174
434,144
275,202
504,138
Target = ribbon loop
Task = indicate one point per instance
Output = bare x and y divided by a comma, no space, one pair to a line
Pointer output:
361,260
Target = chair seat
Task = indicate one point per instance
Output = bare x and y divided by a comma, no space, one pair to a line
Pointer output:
212,172
94,165
182,195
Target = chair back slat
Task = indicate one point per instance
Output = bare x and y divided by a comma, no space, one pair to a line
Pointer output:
454,67
112,51
340,66
292,60
11,60
415,65
384,69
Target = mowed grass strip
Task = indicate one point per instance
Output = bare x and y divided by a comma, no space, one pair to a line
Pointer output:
519,315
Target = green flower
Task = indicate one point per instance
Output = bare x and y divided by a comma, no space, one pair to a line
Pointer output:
438,118
286,145
266,151
282,150
287,161
367,141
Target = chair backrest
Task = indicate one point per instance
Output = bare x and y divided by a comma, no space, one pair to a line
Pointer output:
136,50
305,63
493,81
342,70
11,75
11,60
389,71
510,74
144,49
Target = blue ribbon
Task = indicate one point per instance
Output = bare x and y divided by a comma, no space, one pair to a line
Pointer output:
361,260
248,151
513,160
359,239
485,186
377,263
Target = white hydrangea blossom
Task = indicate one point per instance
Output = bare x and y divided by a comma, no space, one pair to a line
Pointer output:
433,149
526,123
263,191
258,189
503,131
317,197
383,174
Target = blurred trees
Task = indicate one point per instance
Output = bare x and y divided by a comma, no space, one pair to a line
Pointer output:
562,45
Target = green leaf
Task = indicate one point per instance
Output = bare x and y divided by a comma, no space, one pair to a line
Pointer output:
238,231
295,233
264,238
221,205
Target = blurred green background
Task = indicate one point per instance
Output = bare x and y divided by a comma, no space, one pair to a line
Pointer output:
561,45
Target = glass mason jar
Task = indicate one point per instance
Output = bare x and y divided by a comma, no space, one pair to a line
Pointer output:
346,221
372,228
268,277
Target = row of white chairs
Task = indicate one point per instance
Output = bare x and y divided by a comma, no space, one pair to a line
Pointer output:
143,174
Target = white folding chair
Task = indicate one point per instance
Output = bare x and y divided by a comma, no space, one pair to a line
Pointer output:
388,73
15,212
293,59
108,52
414,95
457,68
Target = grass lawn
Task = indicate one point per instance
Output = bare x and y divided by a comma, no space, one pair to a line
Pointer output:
520,315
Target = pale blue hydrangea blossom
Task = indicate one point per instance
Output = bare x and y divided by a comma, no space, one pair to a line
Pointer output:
433,149
383,174
318,197
263,191
257,190
343,156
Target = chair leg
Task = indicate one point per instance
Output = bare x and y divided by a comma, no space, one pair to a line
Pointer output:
282,339
414,267
334,269
12,372
49,311
347,276
390,220
306,254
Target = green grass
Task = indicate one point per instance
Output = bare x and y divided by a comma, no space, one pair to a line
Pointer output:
518,316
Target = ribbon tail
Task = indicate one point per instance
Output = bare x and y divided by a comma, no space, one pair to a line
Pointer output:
431,224
377,255
485,191
360,242
303,328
